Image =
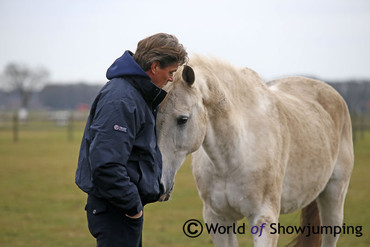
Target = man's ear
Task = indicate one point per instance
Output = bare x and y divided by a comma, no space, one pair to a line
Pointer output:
154,67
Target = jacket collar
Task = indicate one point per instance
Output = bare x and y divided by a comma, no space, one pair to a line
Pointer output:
152,94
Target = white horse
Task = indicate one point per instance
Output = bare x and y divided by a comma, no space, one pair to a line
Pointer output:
258,150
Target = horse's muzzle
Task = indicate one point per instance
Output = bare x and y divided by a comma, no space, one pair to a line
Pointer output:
164,197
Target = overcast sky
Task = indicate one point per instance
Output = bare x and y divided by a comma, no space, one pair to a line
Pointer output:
78,40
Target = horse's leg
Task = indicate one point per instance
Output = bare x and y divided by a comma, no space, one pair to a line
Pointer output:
331,203
202,168
331,200
224,239
261,221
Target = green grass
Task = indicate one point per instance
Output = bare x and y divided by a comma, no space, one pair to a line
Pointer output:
41,206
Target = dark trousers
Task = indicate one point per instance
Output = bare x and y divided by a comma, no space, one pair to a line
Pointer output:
110,226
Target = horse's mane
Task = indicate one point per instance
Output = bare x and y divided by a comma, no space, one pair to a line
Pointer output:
223,81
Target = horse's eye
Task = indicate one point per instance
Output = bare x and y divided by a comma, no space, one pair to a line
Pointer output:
182,120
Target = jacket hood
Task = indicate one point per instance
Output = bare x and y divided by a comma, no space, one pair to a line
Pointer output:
125,66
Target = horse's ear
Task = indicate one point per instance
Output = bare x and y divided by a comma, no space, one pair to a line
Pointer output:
188,75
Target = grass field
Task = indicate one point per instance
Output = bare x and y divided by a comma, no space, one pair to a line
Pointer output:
41,206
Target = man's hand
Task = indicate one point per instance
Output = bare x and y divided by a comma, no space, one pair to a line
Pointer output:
136,216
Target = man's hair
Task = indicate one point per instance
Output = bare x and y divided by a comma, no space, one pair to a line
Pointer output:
163,48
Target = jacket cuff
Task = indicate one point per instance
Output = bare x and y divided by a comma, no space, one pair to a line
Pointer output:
135,210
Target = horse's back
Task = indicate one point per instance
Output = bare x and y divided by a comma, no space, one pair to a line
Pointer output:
307,90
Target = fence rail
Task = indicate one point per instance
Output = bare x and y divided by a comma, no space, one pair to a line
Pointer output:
69,122
74,121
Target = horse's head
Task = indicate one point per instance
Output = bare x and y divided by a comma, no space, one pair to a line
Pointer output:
181,123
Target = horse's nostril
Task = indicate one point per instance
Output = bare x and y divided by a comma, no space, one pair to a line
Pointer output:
165,194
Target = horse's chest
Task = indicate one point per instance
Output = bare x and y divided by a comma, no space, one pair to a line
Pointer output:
224,197
218,195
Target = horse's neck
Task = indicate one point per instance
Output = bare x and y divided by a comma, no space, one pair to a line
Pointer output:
236,91
230,112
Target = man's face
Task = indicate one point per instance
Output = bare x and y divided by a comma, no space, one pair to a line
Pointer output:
160,76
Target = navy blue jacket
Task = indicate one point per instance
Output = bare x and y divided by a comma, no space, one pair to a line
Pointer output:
119,158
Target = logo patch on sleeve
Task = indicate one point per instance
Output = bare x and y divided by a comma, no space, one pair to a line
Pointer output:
119,128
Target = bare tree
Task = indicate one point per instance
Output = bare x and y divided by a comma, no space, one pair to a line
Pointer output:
24,80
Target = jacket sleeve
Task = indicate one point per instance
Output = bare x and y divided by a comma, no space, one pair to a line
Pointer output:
113,130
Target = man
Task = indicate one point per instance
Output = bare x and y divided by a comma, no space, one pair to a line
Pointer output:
120,164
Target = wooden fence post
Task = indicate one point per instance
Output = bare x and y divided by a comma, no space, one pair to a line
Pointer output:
15,126
354,118
70,127
362,125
